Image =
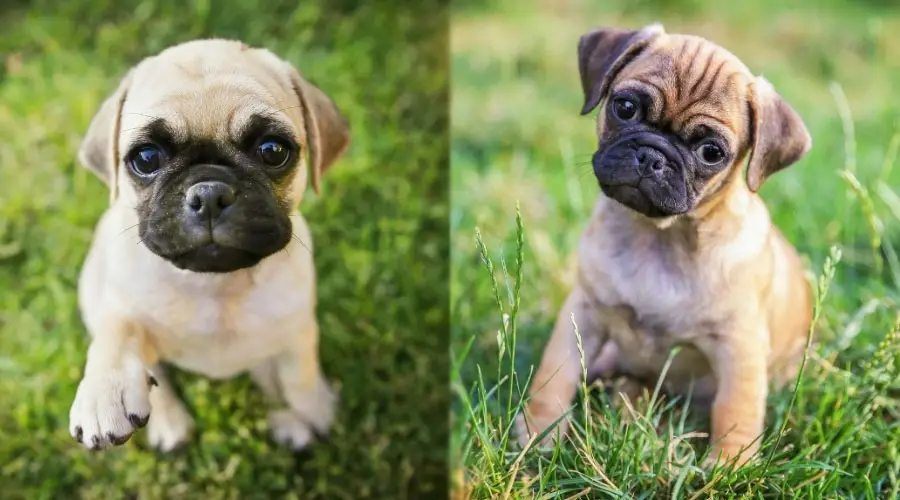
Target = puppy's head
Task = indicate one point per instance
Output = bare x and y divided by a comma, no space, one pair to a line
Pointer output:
679,116
208,141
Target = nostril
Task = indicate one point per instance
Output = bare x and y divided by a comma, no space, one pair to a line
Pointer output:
656,166
195,202
227,197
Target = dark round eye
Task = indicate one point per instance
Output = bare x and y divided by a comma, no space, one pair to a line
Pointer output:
710,153
273,152
146,160
625,109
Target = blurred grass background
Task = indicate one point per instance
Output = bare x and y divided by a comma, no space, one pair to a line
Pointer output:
517,137
380,231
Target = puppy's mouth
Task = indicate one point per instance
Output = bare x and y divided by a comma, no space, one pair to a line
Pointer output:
214,258
646,174
215,226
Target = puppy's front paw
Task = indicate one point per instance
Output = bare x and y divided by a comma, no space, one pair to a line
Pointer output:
290,429
729,455
170,426
316,406
109,407
523,435
527,430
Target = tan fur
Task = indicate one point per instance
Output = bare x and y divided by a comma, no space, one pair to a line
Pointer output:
140,310
720,281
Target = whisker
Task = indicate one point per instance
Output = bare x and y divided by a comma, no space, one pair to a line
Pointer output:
294,236
127,229
142,114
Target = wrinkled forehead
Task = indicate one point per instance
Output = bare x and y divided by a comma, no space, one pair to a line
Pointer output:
207,100
690,81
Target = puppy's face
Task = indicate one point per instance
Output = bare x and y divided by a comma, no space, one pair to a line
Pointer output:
209,144
679,115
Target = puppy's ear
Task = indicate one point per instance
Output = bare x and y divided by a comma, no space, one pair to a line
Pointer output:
603,52
99,150
779,136
327,131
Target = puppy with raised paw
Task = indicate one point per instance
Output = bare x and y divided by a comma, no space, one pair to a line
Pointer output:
680,250
202,260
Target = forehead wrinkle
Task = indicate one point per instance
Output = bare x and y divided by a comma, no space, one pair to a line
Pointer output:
711,121
244,118
264,122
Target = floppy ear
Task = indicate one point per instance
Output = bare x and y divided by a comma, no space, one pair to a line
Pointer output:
603,52
99,150
327,131
779,136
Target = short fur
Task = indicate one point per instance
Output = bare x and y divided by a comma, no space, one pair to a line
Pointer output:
679,252
220,294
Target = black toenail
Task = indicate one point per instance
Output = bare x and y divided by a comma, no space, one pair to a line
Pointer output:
79,433
153,382
95,442
117,440
138,421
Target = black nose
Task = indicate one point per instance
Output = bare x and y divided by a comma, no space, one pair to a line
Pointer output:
650,160
207,200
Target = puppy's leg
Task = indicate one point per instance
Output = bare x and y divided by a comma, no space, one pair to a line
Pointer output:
113,400
298,380
739,408
556,381
265,376
170,423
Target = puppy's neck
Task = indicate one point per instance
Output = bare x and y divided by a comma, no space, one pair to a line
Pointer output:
720,217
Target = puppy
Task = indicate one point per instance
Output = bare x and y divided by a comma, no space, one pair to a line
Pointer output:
202,261
680,250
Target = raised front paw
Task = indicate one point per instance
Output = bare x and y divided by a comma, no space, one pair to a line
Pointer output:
109,407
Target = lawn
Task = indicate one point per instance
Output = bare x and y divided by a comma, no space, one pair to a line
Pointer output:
380,228
518,140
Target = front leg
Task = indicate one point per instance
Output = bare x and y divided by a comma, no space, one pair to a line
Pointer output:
170,425
295,378
739,408
112,400
556,380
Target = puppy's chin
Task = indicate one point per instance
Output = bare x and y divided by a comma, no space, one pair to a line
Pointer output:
646,174
216,255
215,258
635,199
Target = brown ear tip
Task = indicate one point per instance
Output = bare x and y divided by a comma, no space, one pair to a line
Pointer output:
753,185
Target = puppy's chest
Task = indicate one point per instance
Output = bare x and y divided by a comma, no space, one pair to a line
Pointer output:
223,335
649,303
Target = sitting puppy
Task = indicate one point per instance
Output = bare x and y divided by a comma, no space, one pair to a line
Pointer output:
680,250
203,147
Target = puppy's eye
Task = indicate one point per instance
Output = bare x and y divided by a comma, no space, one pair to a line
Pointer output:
273,152
710,153
624,108
146,161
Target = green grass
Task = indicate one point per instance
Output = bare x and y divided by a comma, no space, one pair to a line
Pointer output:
381,237
518,140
